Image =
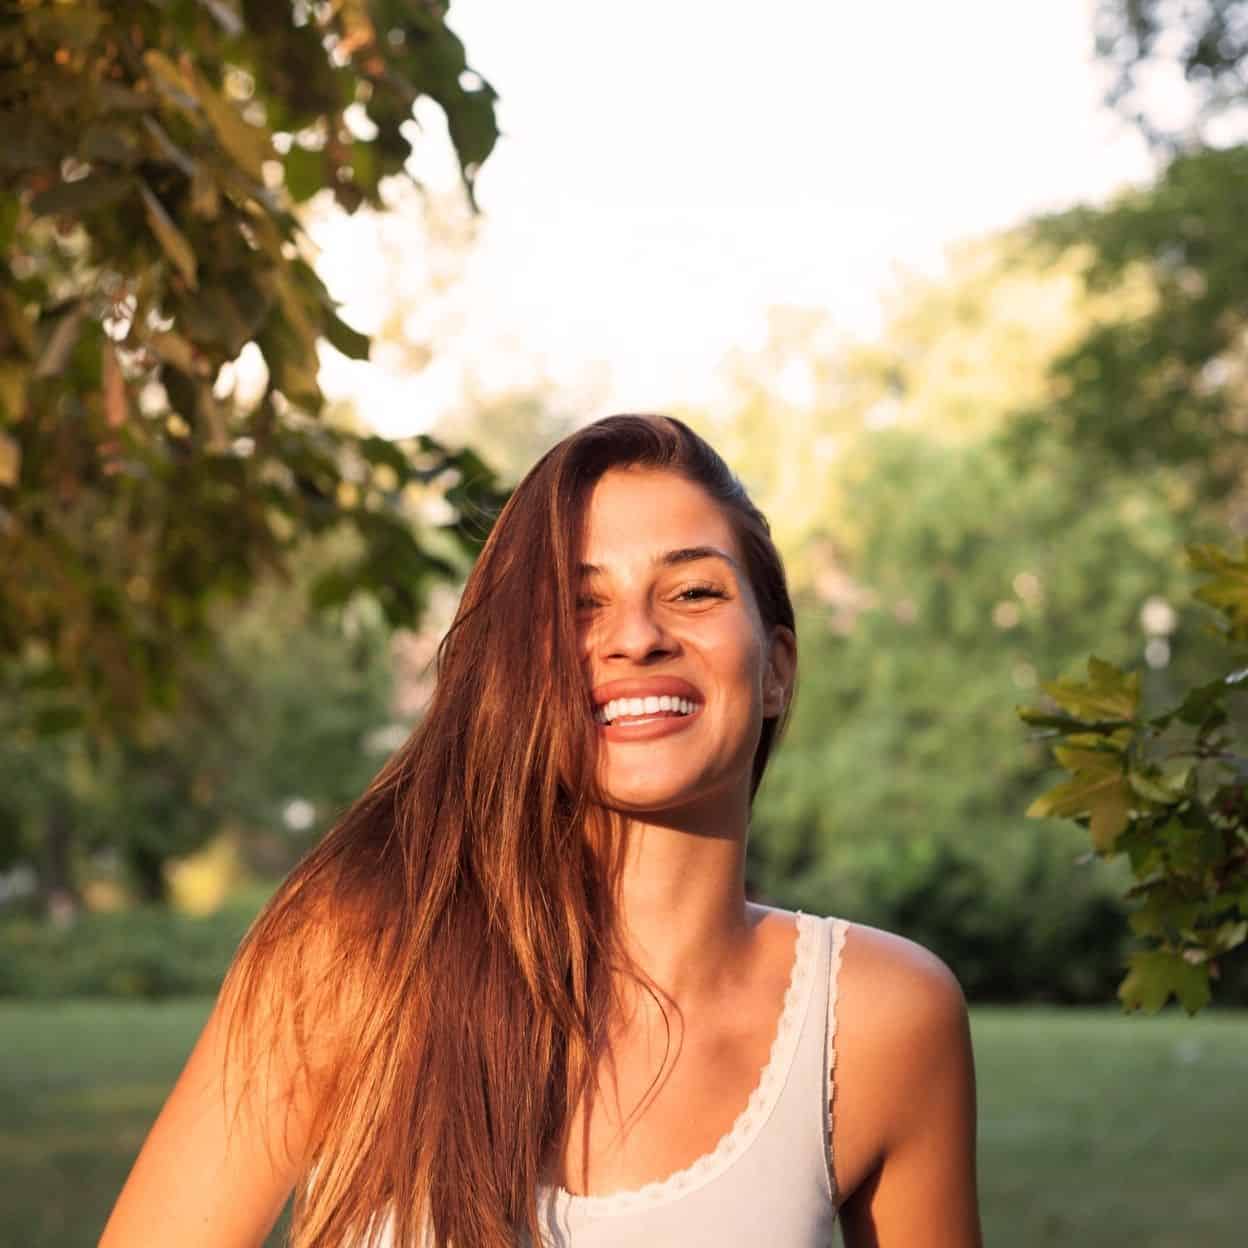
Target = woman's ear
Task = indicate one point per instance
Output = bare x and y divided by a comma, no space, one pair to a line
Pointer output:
781,669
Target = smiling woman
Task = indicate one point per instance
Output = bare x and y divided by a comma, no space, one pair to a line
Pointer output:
518,994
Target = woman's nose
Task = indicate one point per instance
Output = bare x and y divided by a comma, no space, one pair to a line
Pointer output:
632,630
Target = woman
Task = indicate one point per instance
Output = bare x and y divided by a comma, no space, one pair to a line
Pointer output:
518,992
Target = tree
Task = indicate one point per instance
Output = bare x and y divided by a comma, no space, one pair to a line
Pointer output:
957,541
278,729
1161,383
965,576
153,161
1203,42
1163,389
1167,792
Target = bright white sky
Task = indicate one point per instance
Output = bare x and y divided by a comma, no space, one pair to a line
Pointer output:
670,170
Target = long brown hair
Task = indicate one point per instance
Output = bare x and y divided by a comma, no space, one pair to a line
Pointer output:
441,962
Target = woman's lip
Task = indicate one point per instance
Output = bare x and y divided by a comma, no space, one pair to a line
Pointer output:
648,727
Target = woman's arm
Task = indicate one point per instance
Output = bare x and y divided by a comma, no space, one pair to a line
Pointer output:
215,1170
904,1126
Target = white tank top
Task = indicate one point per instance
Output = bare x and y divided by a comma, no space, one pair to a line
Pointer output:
769,1180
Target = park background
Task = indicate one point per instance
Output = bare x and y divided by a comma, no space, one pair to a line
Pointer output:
962,296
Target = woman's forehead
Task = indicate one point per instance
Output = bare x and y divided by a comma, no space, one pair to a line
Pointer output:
637,513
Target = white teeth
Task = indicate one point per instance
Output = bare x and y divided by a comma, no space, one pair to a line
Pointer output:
631,708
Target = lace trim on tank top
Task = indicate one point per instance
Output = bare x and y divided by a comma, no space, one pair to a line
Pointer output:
748,1122
839,928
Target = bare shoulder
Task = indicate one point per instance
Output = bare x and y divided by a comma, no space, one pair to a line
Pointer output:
895,988
903,1049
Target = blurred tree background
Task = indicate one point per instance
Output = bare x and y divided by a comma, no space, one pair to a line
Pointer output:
221,593
166,453
1016,467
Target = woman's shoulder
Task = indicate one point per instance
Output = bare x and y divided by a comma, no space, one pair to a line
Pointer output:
895,981
902,1040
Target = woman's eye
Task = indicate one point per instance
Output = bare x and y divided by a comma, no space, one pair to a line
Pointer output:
695,592
586,604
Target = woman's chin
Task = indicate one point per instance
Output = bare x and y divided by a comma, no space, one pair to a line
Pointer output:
651,799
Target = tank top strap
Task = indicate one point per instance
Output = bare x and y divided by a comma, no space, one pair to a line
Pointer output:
837,930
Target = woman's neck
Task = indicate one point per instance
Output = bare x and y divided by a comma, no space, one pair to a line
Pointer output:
682,909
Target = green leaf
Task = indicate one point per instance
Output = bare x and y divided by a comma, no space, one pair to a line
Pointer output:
1155,975
10,207
10,460
1102,794
249,145
1041,717
168,77
1091,757
1227,589
14,318
205,195
305,172
379,450
90,194
332,588
1231,934
172,241
364,167
53,720
1110,811
1155,788
14,376
1198,703
1108,692
350,342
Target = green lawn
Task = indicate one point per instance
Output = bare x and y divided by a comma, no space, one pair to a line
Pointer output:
1095,1129
1106,1130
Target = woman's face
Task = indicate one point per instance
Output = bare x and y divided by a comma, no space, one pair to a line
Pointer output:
682,669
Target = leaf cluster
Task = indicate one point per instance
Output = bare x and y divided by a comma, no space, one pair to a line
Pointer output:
155,153
1168,794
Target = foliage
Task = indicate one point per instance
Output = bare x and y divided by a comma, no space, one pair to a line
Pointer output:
963,576
285,707
146,952
1027,930
963,358
150,241
1204,42
1160,383
1166,792
965,573
1160,388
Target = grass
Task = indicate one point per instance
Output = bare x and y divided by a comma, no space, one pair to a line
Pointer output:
1094,1128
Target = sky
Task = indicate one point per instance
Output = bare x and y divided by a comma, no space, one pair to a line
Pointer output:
670,171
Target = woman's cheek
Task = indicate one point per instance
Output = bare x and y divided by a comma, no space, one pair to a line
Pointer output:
738,656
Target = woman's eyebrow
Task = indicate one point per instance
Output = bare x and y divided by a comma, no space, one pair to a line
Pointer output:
670,558
691,554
